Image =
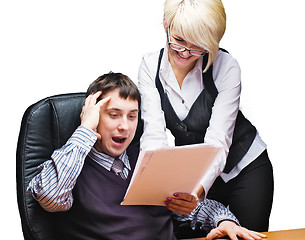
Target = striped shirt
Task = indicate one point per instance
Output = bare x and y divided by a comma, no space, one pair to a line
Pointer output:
106,161
53,185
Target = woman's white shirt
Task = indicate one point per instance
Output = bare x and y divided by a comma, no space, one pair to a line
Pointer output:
226,75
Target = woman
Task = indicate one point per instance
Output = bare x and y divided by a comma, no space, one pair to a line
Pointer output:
192,88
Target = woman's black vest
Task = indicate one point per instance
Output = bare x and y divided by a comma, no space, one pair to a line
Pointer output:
193,128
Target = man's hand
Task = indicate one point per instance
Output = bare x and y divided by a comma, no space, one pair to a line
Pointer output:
231,229
183,203
91,112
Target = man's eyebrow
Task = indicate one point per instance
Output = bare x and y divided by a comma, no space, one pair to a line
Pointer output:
120,110
113,109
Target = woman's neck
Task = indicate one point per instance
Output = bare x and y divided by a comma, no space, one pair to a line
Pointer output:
181,73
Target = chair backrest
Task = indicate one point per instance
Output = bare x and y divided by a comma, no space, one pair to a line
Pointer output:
46,126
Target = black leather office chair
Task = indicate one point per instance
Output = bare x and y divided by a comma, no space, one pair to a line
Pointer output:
46,126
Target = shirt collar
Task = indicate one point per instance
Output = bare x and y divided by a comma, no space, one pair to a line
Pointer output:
106,161
165,65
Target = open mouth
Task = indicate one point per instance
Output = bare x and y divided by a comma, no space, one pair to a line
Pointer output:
181,56
119,139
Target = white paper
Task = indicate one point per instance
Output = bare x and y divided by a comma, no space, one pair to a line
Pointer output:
160,173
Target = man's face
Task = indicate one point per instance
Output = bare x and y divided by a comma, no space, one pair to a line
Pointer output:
117,124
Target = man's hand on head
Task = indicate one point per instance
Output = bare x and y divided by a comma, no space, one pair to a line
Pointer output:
90,114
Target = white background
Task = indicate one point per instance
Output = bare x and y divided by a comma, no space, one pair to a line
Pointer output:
54,47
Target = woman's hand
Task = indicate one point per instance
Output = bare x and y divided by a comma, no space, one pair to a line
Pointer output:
183,203
231,229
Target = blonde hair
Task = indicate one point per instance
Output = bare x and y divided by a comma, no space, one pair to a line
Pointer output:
200,22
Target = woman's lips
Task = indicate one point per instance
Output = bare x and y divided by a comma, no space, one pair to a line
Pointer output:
181,57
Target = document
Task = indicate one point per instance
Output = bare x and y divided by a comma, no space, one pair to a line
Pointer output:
160,173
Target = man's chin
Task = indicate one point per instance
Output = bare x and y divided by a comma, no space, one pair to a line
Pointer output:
114,150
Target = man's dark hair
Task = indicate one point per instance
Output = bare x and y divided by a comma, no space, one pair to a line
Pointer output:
111,81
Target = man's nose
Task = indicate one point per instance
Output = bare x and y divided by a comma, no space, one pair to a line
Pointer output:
123,125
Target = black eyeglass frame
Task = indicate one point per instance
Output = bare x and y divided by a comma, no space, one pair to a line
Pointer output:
171,44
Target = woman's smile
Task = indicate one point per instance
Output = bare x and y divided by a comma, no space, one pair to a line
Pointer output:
183,56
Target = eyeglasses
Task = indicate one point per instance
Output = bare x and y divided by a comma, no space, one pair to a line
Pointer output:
180,48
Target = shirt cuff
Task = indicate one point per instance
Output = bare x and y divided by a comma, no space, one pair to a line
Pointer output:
83,137
225,217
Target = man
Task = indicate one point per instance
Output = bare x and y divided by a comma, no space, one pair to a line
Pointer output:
87,178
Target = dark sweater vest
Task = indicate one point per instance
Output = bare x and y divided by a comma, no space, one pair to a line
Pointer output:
193,128
97,214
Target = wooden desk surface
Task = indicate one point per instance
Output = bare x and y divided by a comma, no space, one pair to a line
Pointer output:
294,234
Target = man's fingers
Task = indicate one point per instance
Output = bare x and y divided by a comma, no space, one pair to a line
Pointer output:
99,136
91,99
234,231
103,101
91,111
253,235
97,94
87,100
94,97
214,233
233,236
